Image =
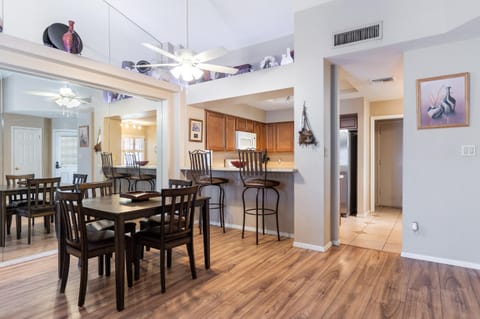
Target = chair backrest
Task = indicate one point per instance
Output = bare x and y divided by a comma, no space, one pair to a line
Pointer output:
96,189
253,164
179,183
133,167
107,164
178,208
41,192
79,178
17,180
201,165
72,218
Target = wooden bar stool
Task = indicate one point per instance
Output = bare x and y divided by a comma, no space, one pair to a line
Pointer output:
111,174
201,170
253,172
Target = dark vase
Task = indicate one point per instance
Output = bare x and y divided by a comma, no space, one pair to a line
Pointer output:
448,102
68,37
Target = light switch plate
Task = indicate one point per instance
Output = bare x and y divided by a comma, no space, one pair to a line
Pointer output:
468,150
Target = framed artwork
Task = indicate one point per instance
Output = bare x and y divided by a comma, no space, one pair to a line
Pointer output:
195,130
83,136
443,101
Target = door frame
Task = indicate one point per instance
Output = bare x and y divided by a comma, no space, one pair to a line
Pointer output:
12,145
54,146
373,121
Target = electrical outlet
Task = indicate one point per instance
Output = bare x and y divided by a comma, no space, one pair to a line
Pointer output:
468,150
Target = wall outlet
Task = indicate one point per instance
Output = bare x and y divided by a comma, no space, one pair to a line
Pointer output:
468,150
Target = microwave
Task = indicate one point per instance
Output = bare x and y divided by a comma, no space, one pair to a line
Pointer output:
245,140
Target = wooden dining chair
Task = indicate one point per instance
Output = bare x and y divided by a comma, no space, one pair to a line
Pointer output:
40,203
175,229
79,178
84,244
15,200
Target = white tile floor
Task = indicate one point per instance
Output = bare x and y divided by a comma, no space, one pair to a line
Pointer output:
381,230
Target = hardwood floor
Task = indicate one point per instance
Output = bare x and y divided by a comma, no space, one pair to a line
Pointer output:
272,280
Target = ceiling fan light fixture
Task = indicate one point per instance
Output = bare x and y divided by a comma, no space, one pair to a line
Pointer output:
186,72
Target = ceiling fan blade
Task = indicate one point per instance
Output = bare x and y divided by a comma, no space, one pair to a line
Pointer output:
155,65
210,54
85,100
161,51
47,94
217,68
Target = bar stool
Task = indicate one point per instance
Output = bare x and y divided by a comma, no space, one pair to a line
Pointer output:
110,173
253,172
201,170
134,173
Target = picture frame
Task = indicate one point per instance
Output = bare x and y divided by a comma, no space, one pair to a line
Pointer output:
83,138
443,101
195,132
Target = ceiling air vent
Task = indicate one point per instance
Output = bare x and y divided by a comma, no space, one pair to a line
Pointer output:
359,34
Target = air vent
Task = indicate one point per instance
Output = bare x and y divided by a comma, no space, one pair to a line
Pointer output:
383,80
359,34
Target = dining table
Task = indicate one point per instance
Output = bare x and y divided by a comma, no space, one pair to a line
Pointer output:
17,189
119,210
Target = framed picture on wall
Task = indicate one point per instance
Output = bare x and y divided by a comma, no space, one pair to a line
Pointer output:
443,101
195,130
83,136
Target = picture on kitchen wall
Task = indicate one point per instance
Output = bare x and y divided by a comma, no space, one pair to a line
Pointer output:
443,101
196,130
83,136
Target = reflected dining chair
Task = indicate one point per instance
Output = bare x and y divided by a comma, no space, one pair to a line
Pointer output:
41,203
84,244
111,174
15,200
201,170
175,229
135,174
253,173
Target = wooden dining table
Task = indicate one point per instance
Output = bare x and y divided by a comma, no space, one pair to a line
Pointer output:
122,209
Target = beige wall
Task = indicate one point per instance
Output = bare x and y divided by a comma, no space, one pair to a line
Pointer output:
390,107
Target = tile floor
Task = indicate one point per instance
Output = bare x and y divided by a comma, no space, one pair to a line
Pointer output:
381,230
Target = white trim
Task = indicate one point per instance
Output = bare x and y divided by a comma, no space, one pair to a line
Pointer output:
312,247
445,261
28,258
373,119
336,243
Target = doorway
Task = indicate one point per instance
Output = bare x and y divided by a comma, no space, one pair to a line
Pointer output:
64,154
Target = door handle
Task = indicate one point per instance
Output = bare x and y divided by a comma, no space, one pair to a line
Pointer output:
57,165
17,168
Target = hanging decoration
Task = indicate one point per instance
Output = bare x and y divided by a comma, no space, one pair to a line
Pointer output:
98,146
306,136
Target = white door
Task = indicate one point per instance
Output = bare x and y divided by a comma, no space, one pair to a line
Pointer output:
389,144
26,151
64,149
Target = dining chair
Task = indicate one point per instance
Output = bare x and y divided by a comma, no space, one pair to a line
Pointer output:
79,178
253,173
201,170
135,174
40,203
15,200
82,243
111,174
175,229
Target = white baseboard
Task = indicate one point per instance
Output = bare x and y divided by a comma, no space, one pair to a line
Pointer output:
336,242
252,229
446,261
312,247
27,258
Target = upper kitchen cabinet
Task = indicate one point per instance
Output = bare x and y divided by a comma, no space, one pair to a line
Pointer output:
244,125
230,133
260,130
215,131
279,137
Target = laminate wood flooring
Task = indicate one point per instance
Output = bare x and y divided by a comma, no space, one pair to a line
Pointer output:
271,280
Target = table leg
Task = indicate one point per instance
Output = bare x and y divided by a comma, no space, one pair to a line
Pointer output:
3,217
120,262
206,231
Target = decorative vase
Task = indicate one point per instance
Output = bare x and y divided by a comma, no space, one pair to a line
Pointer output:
68,37
448,102
286,58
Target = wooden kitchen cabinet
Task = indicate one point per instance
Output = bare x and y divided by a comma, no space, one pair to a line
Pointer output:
260,130
244,125
215,131
230,133
279,137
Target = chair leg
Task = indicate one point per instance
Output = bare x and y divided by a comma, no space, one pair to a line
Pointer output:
18,220
169,257
276,212
263,211
83,282
136,260
256,217
162,269
9,224
65,269
129,261
108,267
191,256
29,231
244,212
100,264
200,215
221,201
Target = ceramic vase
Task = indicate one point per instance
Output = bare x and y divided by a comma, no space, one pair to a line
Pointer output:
448,102
68,37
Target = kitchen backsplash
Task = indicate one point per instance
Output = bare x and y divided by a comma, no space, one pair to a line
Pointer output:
277,160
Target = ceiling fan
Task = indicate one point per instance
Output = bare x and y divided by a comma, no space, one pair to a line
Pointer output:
64,98
189,65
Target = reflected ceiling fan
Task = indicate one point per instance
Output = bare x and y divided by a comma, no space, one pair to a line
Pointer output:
189,65
64,98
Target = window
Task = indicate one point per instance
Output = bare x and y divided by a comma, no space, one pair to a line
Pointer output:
133,144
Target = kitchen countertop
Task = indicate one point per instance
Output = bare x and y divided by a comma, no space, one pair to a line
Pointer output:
234,169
